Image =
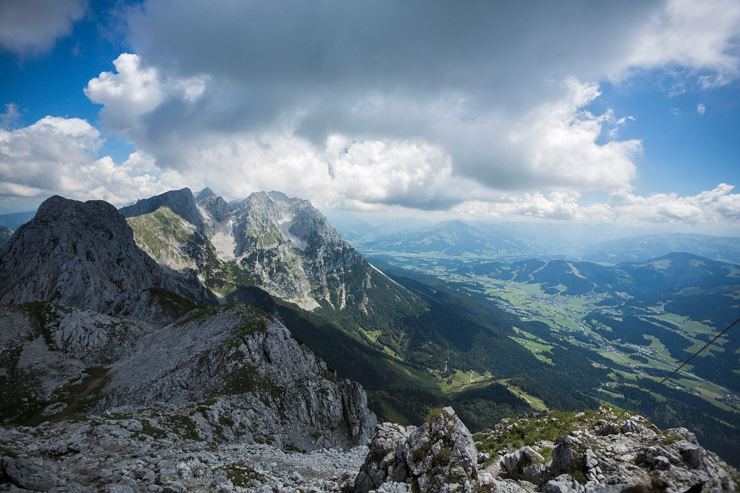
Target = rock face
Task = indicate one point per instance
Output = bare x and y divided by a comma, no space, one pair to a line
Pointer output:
84,255
296,255
595,453
280,244
59,361
281,390
53,358
440,455
159,450
181,202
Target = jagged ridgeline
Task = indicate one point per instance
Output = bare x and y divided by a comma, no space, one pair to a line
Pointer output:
412,343
185,323
90,323
411,346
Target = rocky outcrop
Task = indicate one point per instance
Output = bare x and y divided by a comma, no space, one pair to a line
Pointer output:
181,202
54,357
279,388
83,254
256,382
214,207
440,455
593,455
598,453
160,450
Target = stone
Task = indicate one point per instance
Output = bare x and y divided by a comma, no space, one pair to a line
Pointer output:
563,484
27,474
439,453
691,453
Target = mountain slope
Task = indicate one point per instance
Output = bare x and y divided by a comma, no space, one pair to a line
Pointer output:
181,202
84,255
282,245
231,361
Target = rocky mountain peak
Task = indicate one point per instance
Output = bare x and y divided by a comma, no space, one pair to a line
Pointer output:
83,254
181,202
204,194
281,244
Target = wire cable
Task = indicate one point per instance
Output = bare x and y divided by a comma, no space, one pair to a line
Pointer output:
670,375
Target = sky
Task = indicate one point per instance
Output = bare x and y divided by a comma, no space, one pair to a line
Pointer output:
623,113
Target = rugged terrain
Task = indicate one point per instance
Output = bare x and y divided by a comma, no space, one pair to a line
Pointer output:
154,449
182,347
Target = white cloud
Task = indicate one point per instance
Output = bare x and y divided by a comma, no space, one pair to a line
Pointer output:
134,91
30,27
701,36
421,119
59,156
559,143
716,206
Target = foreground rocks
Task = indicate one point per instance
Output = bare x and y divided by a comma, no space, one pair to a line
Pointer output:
233,371
128,453
593,454
169,449
439,455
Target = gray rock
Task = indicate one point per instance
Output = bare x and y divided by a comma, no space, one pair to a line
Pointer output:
691,453
566,455
433,457
27,474
516,462
563,484
84,255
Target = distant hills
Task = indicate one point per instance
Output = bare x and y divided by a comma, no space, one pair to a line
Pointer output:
12,221
637,248
462,239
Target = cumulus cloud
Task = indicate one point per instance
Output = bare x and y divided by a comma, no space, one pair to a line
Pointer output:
134,90
716,206
59,156
30,27
701,36
501,97
371,105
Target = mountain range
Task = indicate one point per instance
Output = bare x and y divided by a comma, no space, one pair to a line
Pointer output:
458,239
251,321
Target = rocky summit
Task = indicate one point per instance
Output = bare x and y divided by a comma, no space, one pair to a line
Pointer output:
283,245
83,254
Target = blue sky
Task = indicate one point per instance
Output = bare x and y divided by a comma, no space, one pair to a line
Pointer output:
685,151
488,111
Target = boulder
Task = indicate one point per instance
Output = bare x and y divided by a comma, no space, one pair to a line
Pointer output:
440,455
26,474
566,456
